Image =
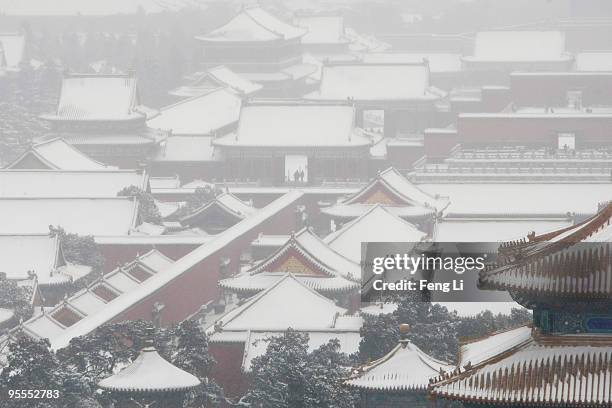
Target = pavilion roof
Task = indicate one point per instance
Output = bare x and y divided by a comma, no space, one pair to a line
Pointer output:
253,24
204,114
519,46
80,310
58,155
405,368
377,82
378,224
85,97
533,370
150,373
296,123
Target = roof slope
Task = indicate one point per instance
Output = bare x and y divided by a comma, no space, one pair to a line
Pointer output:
58,155
327,30
187,149
594,61
217,77
253,24
375,82
296,124
226,202
84,216
405,368
519,46
375,225
98,98
438,62
23,253
200,115
288,303
60,183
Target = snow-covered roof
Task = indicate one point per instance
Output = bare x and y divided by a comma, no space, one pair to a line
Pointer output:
58,155
256,344
295,124
150,373
375,82
85,305
226,202
214,78
522,199
200,115
487,347
23,253
594,61
377,224
405,368
168,182
325,30
84,216
438,62
12,50
186,149
60,183
519,46
287,304
553,370
253,24
98,98
491,230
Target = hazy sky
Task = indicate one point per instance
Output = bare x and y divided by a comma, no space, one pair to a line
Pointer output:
89,7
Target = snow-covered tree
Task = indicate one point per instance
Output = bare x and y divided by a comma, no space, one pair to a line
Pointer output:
147,209
14,297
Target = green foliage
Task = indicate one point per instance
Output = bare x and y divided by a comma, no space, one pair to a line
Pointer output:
288,376
15,298
147,209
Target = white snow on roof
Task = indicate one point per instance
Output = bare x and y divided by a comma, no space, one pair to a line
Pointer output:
236,82
12,50
60,183
594,61
186,149
200,115
535,199
164,182
287,304
376,225
59,155
43,326
153,284
23,253
97,97
120,280
254,24
257,343
475,230
84,216
519,46
375,82
323,29
295,124
406,367
438,62
150,372
482,350
350,211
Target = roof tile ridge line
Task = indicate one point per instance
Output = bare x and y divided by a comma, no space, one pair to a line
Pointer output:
210,204
36,154
322,242
415,186
59,138
293,242
276,33
190,99
369,366
151,252
500,356
465,342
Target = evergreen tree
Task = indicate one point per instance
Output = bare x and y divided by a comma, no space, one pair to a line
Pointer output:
147,209
16,298
78,249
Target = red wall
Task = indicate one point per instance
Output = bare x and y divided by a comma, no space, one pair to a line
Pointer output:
227,372
551,90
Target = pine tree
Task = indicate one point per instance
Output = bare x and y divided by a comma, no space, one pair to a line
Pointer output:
147,209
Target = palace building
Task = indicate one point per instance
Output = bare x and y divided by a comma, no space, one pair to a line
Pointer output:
219,214
201,83
261,48
101,115
565,358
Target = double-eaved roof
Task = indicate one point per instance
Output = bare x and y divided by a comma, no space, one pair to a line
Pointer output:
376,82
253,24
85,97
76,315
205,114
519,46
295,124
308,259
69,184
84,216
56,154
